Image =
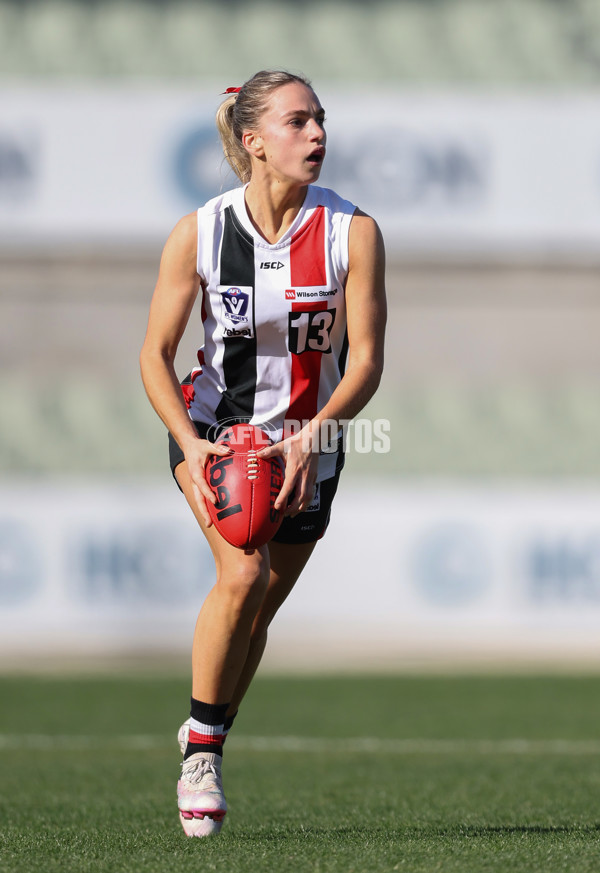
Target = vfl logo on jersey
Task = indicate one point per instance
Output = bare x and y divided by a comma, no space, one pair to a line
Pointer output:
235,305
236,310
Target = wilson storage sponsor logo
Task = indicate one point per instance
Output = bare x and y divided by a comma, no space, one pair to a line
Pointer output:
310,292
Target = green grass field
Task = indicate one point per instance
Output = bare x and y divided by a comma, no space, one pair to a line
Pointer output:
322,774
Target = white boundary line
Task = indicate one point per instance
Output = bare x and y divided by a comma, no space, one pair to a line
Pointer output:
308,745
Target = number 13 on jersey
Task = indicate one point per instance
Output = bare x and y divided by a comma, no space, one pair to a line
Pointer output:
311,331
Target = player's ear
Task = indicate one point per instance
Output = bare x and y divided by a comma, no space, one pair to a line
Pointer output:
253,143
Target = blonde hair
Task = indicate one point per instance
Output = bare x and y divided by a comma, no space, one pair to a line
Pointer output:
242,111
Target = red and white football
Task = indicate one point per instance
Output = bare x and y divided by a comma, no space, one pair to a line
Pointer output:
245,487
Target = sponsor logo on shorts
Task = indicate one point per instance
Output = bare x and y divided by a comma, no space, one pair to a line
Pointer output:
315,503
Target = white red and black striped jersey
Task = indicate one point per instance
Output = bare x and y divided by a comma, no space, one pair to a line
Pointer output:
274,316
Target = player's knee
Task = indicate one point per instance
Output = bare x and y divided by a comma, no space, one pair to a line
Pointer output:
245,582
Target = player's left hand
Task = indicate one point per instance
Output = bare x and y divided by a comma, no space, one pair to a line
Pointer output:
301,463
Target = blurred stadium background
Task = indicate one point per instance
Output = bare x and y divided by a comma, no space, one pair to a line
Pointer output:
471,130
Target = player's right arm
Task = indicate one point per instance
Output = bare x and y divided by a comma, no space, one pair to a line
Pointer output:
172,302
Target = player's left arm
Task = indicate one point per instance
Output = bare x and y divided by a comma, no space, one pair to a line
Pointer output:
366,313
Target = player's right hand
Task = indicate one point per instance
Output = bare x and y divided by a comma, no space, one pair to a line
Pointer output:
197,454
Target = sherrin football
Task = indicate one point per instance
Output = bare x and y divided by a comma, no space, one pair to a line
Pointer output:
245,487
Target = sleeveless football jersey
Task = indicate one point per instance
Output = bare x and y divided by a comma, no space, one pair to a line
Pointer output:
274,316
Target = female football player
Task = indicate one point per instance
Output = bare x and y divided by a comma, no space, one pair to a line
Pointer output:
291,280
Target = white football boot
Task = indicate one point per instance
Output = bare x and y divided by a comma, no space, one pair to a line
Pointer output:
200,798
183,735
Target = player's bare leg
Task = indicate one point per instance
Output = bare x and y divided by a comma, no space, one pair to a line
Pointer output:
224,626
286,564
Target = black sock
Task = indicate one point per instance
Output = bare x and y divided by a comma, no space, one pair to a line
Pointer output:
228,724
207,728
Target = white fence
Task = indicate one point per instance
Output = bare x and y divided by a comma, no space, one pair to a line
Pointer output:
404,573
452,172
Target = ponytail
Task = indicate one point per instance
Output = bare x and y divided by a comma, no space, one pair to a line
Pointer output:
235,154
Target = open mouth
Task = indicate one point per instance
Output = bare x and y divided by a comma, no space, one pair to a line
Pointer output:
316,157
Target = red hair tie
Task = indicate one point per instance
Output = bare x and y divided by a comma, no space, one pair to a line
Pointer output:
232,91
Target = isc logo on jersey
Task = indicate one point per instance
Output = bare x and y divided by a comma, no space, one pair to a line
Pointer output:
271,265
236,310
